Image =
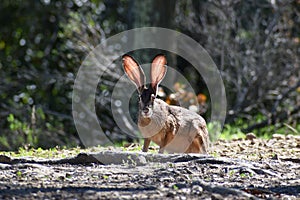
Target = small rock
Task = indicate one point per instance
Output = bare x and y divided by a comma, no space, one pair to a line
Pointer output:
275,157
179,186
291,137
171,194
278,136
250,136
89,193
241,147
5,159
130,145
288,197
216,196
197,189
185,190
236,139
4,166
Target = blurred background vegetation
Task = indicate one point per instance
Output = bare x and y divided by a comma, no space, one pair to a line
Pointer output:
255,44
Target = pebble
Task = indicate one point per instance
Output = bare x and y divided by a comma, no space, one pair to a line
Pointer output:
278,136
216,196
197,189
250,136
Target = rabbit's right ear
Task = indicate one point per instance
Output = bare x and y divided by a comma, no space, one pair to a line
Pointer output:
134,72
158,71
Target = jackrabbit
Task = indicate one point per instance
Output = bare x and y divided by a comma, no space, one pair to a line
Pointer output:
173,128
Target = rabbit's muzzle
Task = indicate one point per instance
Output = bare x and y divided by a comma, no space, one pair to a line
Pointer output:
147,98
146,112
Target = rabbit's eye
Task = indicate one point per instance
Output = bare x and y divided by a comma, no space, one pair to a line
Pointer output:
152,96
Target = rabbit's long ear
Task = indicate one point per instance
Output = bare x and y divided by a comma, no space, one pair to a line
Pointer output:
134,72
158,71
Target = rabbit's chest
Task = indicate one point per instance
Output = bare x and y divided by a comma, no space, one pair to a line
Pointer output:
158,138
154,129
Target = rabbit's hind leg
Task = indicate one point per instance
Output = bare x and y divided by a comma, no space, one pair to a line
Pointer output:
194,146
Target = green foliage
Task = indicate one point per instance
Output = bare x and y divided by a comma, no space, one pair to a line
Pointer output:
235,130
105,177
4,142
22,128
34,73
279,128
231,132
19,174
29,133
56,152
175,187
42,45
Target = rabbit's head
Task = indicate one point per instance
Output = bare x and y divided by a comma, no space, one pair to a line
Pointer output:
136,74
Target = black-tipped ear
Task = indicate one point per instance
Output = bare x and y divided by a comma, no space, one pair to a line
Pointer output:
134,72
158,71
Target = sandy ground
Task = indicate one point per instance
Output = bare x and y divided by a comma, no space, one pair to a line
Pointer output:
239,169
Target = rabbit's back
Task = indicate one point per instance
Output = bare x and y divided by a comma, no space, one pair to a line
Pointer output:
191,131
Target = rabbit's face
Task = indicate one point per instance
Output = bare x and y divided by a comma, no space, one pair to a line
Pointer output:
147,98
137,76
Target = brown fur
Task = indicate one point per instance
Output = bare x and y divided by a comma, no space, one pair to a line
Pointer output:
172,128
170,121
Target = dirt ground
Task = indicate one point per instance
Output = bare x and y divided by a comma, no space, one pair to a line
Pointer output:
240,169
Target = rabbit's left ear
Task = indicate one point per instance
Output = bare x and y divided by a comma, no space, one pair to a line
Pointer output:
158,71
134,72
